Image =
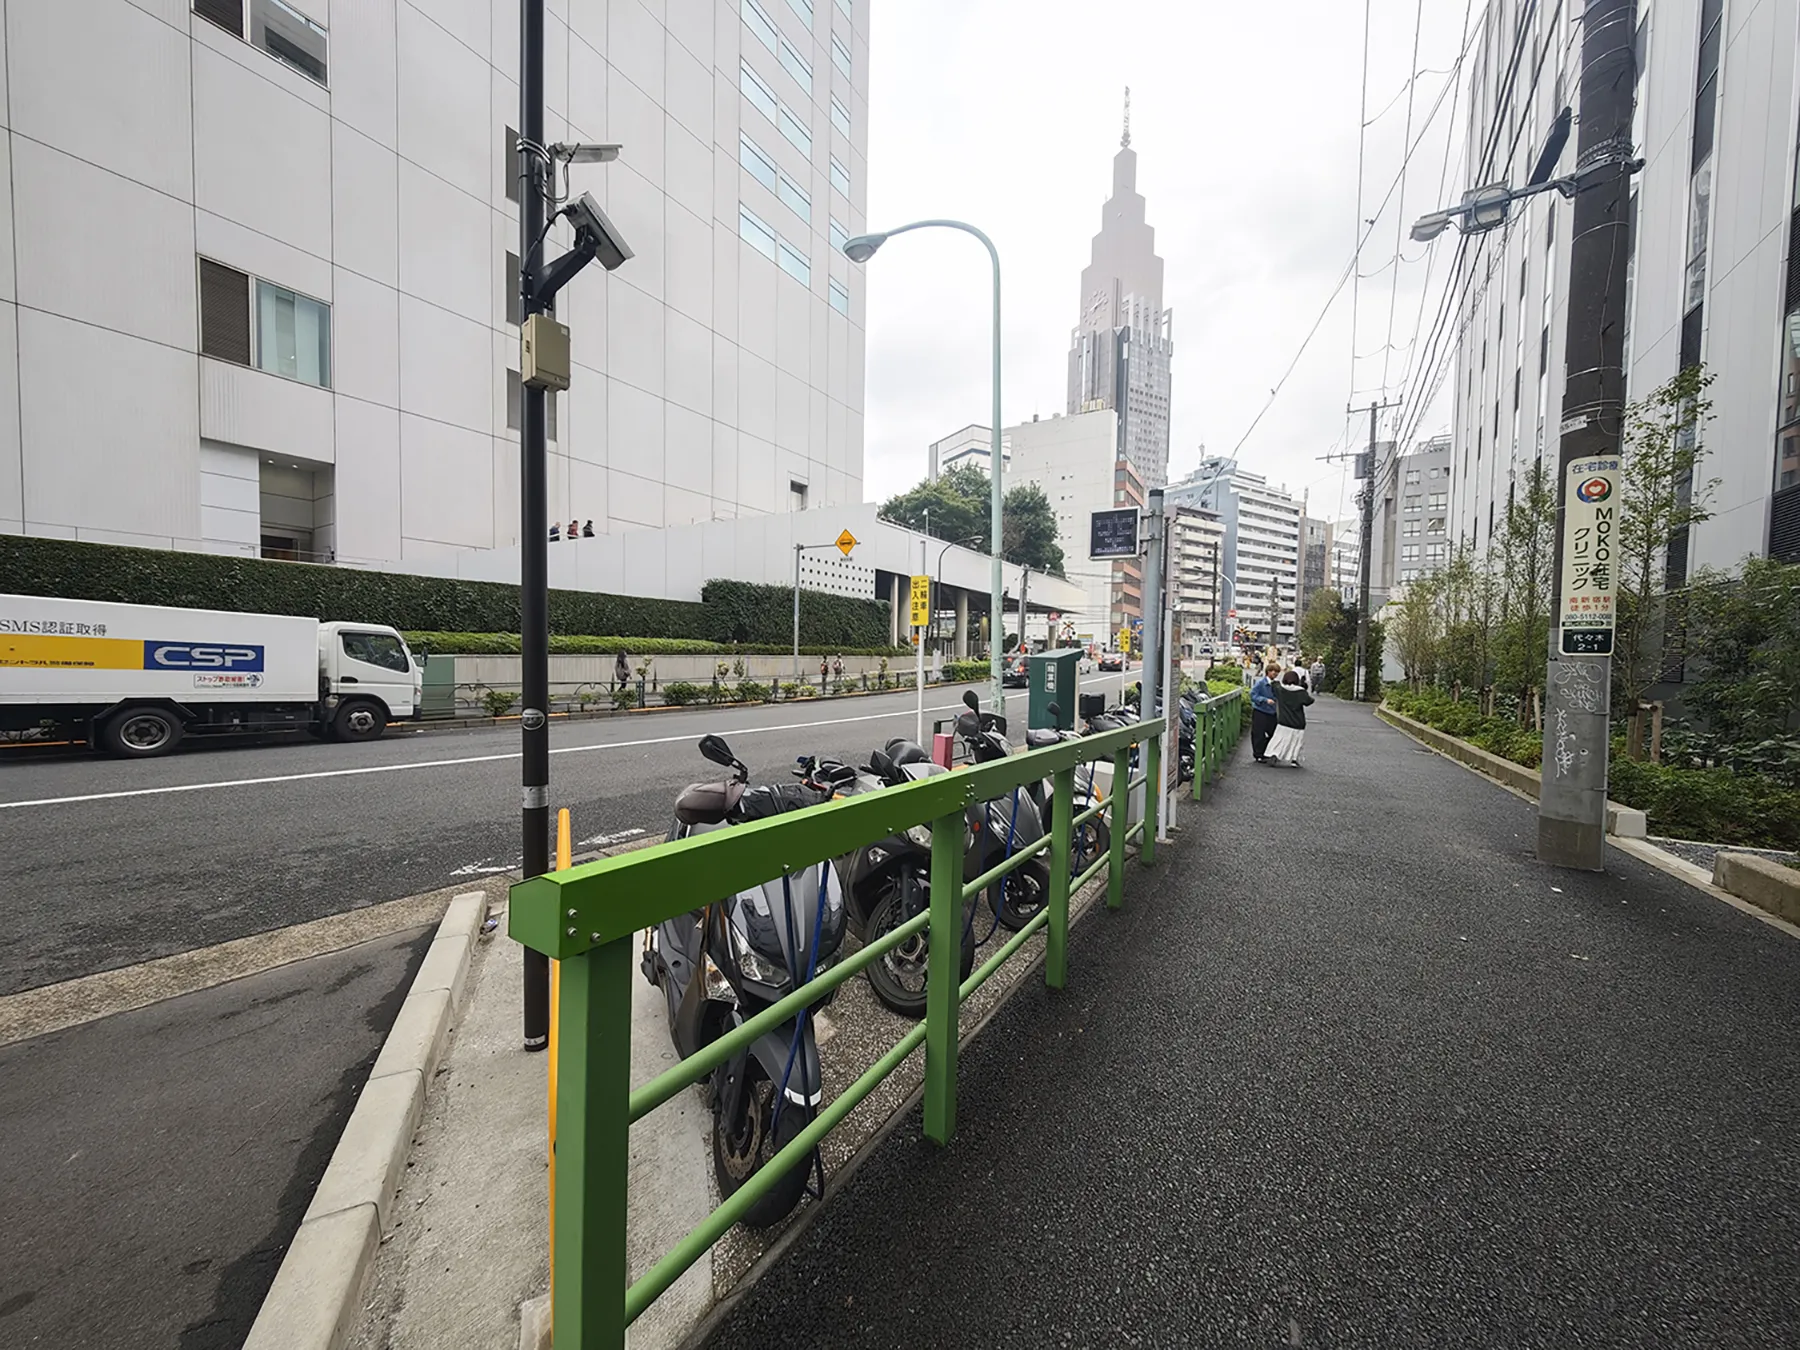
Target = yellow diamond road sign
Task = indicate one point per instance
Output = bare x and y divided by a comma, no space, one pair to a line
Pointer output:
921,601
845,542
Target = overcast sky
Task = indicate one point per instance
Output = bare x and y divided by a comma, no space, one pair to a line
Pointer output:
1006,113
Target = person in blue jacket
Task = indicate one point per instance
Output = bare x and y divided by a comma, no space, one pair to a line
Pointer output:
1263,708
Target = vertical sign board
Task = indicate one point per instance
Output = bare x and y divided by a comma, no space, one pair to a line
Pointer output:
921,601
1590,556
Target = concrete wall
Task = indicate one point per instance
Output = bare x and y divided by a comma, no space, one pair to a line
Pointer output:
568,672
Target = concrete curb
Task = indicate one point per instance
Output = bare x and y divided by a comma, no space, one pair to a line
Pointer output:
1765,884
1626,822
317,1292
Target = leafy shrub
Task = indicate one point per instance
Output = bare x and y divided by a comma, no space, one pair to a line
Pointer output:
752,691
728,611
789,689
680,693
624,699
959,671
498,702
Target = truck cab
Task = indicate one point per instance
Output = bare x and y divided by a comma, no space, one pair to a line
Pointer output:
367,677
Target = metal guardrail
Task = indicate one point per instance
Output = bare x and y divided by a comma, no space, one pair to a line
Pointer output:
1220,722
588,919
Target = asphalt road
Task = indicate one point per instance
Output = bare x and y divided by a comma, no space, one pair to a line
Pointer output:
157,1163
1350,1068
113,862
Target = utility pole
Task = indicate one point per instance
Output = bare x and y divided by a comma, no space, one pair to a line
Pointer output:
1365,500
534,525
1572,800
1149,690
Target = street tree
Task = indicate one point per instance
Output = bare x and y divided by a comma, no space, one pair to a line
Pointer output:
1417,626
958,506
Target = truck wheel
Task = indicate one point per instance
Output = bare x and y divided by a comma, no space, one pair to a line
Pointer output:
359,720
140,733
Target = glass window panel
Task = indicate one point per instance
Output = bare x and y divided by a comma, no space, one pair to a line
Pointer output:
798,133
796,65
840,176
293,335
795,198
759,23
840,116
759,165
839,236
761,97
840,297
753,232
289,36
804,9
840,56
795,263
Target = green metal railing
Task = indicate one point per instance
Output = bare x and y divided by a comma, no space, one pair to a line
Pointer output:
1219,723
588,919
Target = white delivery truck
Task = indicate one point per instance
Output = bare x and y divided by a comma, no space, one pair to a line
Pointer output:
135,679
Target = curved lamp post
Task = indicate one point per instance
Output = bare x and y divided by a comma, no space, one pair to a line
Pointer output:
859,250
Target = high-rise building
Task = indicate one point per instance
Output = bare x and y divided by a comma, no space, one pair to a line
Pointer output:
1262,543
1715,126
1346,558
260,291
1315,557
1196,578
1411,530
1119,357
1076,461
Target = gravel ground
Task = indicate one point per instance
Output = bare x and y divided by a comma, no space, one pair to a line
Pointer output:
1702,855
1355,1071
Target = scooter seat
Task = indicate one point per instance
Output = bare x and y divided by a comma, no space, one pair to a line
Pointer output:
1038,737
904,752
707,803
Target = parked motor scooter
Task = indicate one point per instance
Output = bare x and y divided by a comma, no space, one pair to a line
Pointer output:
1000,828
1091,838
726,960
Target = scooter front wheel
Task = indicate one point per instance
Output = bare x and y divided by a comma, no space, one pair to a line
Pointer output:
899,978
741,1147
1023,893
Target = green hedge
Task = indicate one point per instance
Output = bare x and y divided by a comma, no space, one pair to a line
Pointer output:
507,644
956,671
1717,806
728,611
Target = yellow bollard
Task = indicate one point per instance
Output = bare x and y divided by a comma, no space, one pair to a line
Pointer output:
562,864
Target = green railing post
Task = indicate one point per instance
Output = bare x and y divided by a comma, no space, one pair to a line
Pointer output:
1202,747
1062,845
943,975
593,1121
1121,821
1153,789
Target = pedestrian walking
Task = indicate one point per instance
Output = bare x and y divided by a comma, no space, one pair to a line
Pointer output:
837,668
1263,708
824,672
1291,703
1318,674
621,671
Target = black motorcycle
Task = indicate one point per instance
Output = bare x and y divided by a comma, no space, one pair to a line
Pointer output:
1091,839
1006,825
729,959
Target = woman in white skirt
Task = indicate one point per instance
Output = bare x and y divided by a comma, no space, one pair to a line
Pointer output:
1292,701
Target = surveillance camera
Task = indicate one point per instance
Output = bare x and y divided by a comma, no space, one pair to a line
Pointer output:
595,231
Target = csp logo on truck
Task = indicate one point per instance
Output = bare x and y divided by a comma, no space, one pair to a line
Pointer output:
201,656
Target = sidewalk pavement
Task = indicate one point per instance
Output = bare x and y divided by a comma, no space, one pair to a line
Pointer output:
1357,1072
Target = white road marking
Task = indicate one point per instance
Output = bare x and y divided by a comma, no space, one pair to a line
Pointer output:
454,763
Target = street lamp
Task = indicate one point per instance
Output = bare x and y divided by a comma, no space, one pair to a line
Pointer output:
859,250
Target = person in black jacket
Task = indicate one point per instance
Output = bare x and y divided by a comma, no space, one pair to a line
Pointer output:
1291,703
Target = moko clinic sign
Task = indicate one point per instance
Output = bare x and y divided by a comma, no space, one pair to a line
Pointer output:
1590,556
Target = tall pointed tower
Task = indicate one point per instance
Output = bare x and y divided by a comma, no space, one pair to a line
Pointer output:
1124,340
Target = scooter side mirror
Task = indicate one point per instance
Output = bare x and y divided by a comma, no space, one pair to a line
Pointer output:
970,702
1054,711
714,748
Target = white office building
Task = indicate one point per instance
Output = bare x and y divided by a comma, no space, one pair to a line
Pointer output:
1262,543
1196,579
1077,462
970,446
259,289
1714,270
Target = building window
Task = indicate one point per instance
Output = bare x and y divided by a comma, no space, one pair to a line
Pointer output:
1699,217
840,55
796,65
1437,553
804,9
1409,574
1409,553
293,335
279,29
1409,529
1412,476
798,133
756,89
1435,525
838,236
845,6
759,23
840,115
796,495
1706,80
1439,501
754,233
1413,501
840,176
795,198
757,162
840,297
795,263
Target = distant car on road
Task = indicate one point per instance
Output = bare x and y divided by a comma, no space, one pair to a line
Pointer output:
1013,675
1112,660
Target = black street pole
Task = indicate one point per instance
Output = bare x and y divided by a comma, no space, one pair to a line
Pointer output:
534,526
1577,686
